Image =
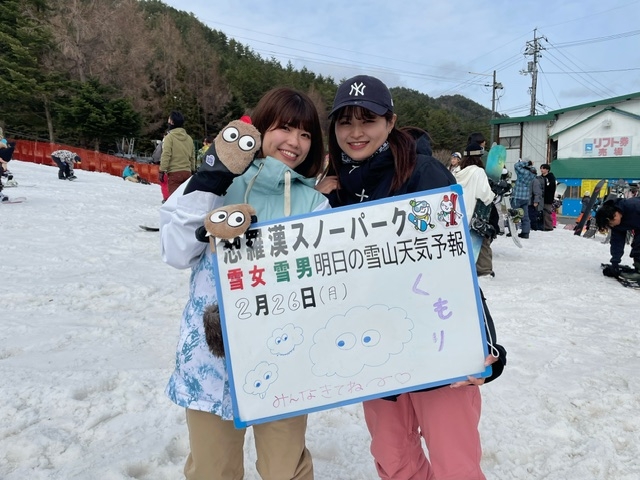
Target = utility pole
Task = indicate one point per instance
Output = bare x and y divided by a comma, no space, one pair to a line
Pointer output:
533,50
494,86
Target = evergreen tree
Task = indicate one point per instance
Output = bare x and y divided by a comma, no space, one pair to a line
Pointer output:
92,114
21,77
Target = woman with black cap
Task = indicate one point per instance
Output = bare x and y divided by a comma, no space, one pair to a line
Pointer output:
373,159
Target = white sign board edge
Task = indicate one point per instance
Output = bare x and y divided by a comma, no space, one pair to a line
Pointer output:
244,422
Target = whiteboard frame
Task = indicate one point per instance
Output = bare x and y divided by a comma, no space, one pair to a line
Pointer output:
234,383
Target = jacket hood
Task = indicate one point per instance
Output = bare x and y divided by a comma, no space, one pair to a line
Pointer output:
423,146
179,133
466,173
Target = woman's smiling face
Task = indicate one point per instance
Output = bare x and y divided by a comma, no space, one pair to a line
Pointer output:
359,138
288,144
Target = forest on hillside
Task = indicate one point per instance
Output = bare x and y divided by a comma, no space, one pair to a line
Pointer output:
92,72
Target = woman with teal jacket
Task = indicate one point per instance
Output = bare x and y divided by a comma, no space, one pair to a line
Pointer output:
278,183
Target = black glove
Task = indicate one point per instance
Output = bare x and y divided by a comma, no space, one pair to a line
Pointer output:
160,177
229,156
611,271
215,179
201,234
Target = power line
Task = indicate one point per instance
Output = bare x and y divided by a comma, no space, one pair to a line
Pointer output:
352,63
550,88
594,71
597,39
579,80
593,79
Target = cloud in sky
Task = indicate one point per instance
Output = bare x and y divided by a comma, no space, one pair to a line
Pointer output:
432,46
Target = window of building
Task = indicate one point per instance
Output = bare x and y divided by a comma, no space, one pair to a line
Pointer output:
572,192
510,143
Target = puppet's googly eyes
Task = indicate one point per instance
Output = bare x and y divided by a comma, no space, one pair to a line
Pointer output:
230,134
246,143
218,217
236,219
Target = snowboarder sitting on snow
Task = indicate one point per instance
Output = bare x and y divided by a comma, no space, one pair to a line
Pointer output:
620,215
129,174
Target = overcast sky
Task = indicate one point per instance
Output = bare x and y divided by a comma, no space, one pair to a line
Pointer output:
591,48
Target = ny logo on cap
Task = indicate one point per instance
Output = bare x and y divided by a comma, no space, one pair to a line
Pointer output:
357,89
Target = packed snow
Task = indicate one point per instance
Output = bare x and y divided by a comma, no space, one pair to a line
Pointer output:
89,325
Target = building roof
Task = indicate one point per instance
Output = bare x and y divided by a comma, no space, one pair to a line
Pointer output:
616,167
552,114
604,110
527,119
607,101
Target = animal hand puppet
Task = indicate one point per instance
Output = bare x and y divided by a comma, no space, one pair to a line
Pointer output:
229,155
226,223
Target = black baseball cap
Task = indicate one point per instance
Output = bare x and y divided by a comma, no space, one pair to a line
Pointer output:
473,150
363,91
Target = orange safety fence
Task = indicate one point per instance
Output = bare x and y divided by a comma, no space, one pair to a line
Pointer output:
92,161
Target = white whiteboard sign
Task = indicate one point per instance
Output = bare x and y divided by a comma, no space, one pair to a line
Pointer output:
350,304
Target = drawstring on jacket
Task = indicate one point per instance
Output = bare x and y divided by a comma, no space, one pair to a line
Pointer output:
251,182
287,189
287,193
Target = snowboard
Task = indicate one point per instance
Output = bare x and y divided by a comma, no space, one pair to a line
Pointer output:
15,185
587,214
13,200
476,245
561,188
510,219
623,279
479,225
149,229
496,161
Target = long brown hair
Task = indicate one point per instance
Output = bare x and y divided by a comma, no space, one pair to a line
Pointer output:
286,106
402,145
471,160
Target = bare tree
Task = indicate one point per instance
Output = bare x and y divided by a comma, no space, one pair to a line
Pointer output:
203,76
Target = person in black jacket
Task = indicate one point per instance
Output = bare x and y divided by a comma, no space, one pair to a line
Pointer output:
372,159
549,196
620,215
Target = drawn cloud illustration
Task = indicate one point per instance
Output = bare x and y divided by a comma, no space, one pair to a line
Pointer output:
364,336
258,380
284,340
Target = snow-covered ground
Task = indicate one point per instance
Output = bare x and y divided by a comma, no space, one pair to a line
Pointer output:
89,320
